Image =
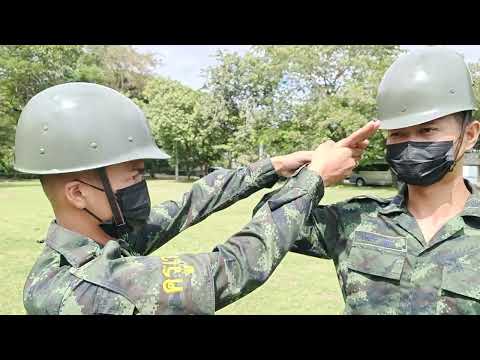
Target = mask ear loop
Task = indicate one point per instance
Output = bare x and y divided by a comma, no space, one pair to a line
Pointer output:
95,187
92,214
465,121
88,211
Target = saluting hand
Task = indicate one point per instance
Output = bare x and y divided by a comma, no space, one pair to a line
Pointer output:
335,161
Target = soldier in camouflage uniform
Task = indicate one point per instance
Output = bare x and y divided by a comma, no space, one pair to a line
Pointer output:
88,142
418,252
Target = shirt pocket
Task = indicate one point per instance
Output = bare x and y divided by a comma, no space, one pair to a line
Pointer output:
376,261
377,254
460,291
373,275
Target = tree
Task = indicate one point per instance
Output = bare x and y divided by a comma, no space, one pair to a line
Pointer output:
26,70
245,87
289,98
123,68
185,123
475,72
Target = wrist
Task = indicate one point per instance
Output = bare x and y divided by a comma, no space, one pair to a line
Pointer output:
277,163
320,172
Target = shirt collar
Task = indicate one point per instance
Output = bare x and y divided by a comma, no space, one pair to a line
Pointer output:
472,206
77,249
397,204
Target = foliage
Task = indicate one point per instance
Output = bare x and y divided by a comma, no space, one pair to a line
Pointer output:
26,70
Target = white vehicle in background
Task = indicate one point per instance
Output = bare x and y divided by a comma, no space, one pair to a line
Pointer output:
371,174
380,173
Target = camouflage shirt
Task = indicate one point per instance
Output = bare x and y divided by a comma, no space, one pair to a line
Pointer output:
75,275
383,263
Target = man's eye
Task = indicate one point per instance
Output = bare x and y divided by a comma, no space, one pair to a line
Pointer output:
394,134
428,130
140,175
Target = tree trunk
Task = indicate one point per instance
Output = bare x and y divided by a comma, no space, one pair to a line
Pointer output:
260,151
176,162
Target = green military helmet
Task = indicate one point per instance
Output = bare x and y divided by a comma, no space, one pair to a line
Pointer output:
424,85
80,126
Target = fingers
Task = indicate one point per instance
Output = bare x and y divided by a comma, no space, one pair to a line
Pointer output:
352,152
325,145
352,164
356,153
360,135
305,156
363,145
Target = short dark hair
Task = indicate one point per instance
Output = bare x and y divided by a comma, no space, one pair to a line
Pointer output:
42,181
463,116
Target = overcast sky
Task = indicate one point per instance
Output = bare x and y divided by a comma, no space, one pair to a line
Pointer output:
185,62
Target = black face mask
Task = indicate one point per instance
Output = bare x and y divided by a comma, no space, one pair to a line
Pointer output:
421,163
134,204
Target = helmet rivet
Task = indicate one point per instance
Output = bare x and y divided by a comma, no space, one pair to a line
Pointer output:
403,109
93,145
45,127
42,151
130,139
452,91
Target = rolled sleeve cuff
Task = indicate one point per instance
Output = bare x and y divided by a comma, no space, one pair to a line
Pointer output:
264,173
308,181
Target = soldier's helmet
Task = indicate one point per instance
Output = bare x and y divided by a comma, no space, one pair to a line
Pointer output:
422,86
80,126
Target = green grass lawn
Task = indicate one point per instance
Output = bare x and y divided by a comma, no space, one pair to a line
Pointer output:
300,285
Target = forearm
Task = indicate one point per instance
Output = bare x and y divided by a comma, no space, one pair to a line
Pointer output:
319,229
208,195
248,259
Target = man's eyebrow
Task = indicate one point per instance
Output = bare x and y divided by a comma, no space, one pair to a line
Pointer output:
432,122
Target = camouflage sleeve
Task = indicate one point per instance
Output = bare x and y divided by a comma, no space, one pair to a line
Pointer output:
200,283
321,231
320,236
142,285
248,259
212,193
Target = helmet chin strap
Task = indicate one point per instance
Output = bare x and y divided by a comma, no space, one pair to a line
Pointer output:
120,226
465,121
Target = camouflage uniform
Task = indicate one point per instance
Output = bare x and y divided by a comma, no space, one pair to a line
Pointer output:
75,275
383,263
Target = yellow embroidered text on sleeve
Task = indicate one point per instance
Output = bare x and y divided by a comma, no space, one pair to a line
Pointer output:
172,265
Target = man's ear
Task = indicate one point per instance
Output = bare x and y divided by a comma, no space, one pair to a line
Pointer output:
472,132
74,194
